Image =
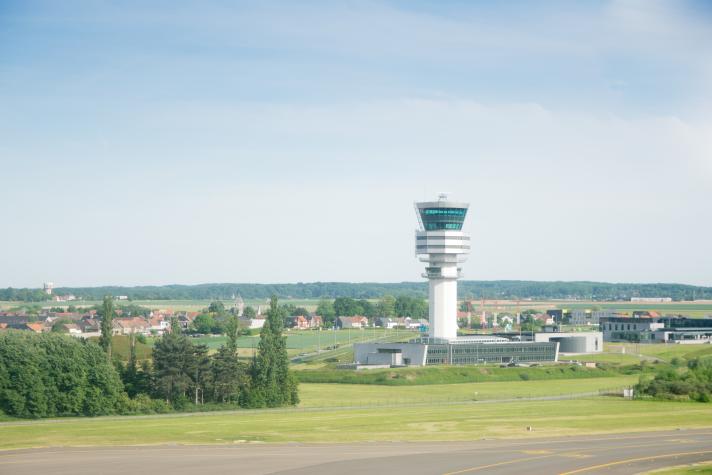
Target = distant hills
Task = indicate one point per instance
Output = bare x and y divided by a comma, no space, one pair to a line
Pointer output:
475,289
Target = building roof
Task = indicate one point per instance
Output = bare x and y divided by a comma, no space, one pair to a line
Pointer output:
131,322
36,327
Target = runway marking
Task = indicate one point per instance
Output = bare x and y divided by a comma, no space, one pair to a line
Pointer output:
570,453
639,459
498,464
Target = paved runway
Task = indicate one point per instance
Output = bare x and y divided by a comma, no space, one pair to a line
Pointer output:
609,454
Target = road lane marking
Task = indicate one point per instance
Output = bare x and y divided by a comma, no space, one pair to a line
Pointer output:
639,459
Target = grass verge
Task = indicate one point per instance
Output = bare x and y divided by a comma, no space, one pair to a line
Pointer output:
456,374
466,421
341,395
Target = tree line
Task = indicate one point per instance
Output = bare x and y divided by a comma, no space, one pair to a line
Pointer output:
497,289
386,306
48,375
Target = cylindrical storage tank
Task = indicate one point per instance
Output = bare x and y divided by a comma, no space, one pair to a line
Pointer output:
571,344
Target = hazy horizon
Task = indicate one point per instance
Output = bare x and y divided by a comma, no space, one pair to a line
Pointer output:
281,142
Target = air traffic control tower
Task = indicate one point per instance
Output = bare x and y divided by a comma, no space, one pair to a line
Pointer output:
443,246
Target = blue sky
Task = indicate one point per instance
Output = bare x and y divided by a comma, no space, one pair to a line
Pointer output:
186,142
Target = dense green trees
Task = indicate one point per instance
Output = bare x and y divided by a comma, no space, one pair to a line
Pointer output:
175,361
386,307
249,312
54,374
347,307
326,310
49,375
205,323
24,295
413,307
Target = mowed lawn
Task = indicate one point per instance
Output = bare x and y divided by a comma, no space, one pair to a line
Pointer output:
348,395
466,421
658,350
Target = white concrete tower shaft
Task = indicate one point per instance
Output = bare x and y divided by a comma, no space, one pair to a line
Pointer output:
441,243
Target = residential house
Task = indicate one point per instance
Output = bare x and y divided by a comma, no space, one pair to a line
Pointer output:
252,323
298,322
352,322
315,321
130,325
158,324
72,328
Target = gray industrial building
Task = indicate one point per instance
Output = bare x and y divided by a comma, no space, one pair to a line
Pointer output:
573,342
474,349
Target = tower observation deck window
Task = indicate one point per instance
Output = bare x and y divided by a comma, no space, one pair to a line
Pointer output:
435,219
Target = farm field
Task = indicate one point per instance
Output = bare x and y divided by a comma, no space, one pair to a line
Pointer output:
695,309
342,395
444,422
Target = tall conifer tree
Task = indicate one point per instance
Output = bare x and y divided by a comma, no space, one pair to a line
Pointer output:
107,316
273,384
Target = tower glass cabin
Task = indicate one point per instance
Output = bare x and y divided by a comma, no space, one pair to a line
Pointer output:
441,244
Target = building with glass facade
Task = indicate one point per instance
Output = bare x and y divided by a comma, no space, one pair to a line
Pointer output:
477,349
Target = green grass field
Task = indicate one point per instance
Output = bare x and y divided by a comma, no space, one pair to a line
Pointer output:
449,422
344,395
703,467
428,375
634,353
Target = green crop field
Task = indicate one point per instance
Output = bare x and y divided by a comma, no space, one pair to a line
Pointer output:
446,422
341,395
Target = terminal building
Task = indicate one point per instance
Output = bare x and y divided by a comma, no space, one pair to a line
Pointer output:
442,245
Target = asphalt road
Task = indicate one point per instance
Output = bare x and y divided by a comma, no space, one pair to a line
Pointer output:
609,454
